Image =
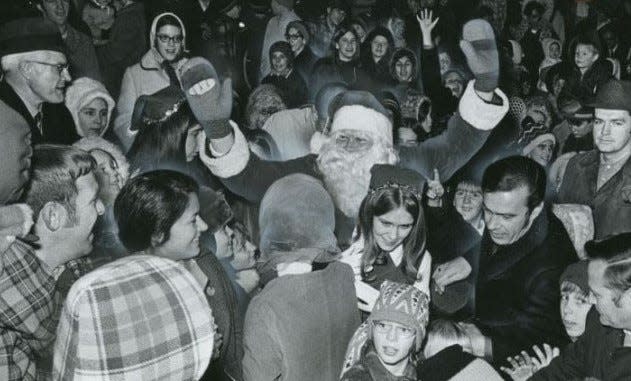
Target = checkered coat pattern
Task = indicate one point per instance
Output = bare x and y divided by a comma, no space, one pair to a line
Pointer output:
27,312
138,318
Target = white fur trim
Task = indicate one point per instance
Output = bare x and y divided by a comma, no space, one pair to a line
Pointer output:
95,142
231,163
317,141
362,118
83,91
479,114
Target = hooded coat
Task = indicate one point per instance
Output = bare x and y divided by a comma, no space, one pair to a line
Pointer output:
144,78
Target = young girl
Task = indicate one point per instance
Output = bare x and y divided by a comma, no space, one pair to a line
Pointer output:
391,241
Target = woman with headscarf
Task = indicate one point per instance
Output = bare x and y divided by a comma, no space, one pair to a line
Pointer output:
158,68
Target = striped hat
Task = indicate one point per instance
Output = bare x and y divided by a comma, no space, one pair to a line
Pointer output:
403,304
138,318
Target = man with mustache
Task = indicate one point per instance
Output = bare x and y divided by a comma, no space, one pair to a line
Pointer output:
360,135
35,67
601,178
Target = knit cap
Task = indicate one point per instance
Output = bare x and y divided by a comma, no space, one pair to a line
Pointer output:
138,318
576,273
285,48
403,304
533,134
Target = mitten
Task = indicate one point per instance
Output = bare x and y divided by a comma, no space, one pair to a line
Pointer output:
210,101
478,45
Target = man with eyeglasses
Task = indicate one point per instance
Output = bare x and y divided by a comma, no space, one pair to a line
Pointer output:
79,48
35,69
304,59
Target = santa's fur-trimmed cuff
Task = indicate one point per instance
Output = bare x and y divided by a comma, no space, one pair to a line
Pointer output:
231,163
480,114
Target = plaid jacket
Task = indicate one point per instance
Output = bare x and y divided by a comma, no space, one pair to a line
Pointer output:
27,312
138,318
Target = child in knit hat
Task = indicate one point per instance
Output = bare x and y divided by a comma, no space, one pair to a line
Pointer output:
396,329
575,300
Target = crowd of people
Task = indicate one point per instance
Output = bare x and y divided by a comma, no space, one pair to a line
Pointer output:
356,190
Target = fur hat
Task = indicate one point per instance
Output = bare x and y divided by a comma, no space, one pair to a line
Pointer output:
360,110
576,273
29,35
83,91
403,304
285,48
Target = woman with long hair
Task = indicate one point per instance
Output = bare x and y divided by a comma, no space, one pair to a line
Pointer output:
391,237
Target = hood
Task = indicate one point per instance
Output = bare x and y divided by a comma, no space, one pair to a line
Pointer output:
152,32
83,91
402,52
92,143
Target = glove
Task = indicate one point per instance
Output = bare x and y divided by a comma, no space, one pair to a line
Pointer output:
210,101
478,45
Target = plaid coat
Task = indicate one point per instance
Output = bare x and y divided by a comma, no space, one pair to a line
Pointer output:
27,312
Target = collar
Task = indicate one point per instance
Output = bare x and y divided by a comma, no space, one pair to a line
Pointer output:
33,109
396,255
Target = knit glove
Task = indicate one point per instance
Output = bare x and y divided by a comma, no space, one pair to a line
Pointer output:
478,45
210,101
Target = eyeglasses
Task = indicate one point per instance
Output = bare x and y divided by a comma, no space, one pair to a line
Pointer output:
174,39
293,36
61,67
401,331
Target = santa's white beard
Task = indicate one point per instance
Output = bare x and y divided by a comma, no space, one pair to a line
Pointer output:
346,175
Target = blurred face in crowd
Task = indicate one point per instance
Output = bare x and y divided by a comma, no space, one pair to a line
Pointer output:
16,152
347,47
169,41
296,40
612,130
56,10
542,153
233,244
190,146
279,63
93,117
390,229
107,175
414,6
574,308
406,137
404,69
581,127
183,242
534,18
613,305
398,27
454,83
78,234
610,39
47,74
555,50
379,47
585,56
335,16
361,32
393,342
468,201
506,214
558,84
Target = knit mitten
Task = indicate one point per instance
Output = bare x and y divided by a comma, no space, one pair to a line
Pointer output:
210,101
478,45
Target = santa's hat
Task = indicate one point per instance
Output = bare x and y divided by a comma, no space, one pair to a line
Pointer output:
361,111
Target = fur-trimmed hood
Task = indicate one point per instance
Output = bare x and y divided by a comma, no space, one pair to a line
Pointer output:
92,143
83,91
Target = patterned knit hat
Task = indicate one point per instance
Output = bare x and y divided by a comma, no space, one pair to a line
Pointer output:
138,318
403,304
531,134
576,273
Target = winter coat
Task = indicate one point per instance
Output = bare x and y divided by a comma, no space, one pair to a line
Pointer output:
144,78
249,177
81,55
304,63
57,124
292,88
598,354
517,290
583,86
611,204
298,327
125,46
331,69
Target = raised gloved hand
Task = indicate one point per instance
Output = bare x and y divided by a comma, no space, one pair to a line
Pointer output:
479,46
210,101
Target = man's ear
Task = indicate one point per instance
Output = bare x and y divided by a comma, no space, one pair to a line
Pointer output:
26,69
157,239
54,215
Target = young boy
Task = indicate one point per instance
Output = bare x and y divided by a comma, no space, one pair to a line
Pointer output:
575,300
396,329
